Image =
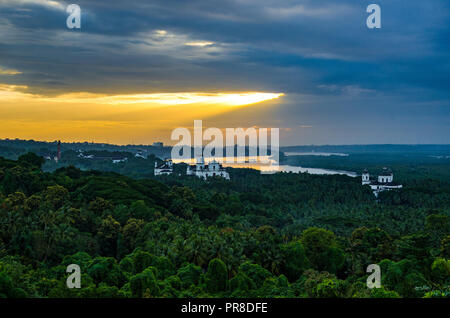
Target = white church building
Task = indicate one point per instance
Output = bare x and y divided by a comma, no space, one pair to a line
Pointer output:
202,170
164,168
385,181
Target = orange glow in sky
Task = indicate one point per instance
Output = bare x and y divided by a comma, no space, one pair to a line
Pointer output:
120,119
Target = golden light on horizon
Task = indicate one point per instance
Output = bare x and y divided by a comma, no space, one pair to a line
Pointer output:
199,43
4,71
16,92
120,118
183,98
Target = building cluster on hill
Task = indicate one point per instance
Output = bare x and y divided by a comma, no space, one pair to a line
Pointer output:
114,159
200,169
384,182
56,158
165,168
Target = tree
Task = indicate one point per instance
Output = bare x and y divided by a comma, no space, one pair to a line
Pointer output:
330,288
445,247
82,259
438,226
402,277
32,159
255,272
106,270
99,205
140,210
129,236
7,289
311,279
322,250
383,293
294,260
144,284
142,260
415,247
56,196
165,267
216,277
369,246
440,271
108,233
32,203
267,253
241,284
189,274
15,200
127,265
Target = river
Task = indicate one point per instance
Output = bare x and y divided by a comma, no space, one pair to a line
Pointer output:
255,163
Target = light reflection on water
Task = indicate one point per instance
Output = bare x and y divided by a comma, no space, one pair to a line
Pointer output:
313,153
255,162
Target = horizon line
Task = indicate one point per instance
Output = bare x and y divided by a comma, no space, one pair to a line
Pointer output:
164,145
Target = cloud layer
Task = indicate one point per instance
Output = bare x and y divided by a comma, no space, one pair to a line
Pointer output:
319,53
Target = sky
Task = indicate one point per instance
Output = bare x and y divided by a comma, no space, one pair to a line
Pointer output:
136,70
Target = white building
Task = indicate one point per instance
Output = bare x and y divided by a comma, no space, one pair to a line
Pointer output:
164,168
385,181
83,156
119,160
210,170
140,154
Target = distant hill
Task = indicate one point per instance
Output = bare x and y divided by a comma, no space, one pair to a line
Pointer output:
13,148
384,148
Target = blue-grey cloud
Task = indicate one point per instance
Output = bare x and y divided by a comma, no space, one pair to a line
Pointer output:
300,47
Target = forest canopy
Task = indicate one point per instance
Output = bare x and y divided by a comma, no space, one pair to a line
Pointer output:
281,235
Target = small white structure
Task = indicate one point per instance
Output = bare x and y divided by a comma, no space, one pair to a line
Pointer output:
83,156
140,154
165,168
365,177
385,181
212,169
119,160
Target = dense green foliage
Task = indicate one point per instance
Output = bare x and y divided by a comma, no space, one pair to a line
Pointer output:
409,166
281,235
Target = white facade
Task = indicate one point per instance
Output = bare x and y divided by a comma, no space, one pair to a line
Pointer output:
119,160
83,156
385,181
165,168
212,169
140,154
365,177
386,178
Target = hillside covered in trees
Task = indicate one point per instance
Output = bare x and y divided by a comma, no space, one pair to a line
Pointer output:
281,235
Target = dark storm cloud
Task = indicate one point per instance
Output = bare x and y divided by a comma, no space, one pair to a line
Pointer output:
325,41
304,48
